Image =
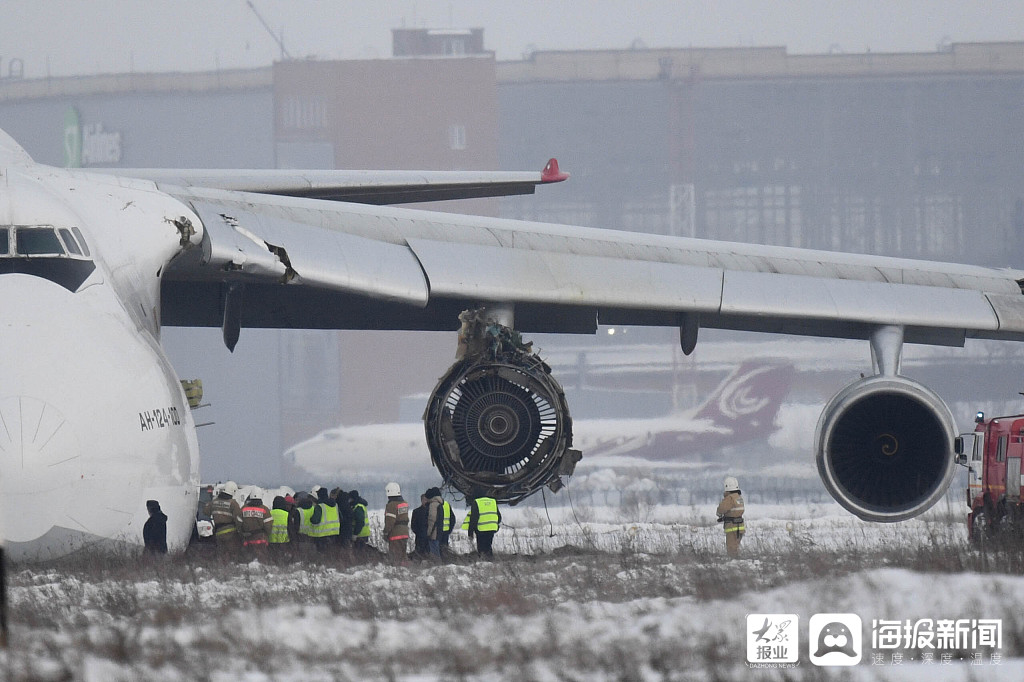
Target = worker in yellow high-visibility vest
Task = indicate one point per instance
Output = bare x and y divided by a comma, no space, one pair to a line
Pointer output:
483,520
360,521
325,532
447,528
280,538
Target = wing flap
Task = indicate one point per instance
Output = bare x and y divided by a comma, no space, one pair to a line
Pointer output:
1009,310
751,294
491,273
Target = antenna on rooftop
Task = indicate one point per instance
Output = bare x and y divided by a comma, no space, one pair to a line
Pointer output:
277,39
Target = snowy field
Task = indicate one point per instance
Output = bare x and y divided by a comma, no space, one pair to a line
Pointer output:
592,594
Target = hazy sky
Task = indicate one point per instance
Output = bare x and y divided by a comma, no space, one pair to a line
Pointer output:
62,37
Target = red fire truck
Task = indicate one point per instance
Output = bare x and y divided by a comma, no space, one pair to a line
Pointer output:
992,456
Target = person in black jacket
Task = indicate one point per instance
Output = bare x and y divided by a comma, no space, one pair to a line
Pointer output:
344,516
154,531
360,524
418,526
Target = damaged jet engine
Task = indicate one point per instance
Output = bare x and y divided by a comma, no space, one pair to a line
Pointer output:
497,423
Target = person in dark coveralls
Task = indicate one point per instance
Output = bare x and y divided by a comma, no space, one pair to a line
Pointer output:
154,531
345,514
418,525
435,521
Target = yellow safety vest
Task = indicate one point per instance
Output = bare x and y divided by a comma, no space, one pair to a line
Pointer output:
364,532
330,524
488,519
306,521
279,533
449,518
488,507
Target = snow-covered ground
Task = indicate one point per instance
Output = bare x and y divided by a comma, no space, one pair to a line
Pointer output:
593,594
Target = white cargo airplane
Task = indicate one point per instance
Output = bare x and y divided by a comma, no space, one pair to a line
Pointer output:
93,420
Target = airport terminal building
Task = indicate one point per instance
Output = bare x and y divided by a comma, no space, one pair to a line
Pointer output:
916,155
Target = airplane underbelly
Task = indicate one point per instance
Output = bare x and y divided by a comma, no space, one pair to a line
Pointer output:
91,422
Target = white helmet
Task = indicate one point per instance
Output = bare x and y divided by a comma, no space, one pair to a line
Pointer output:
392,489
230,488
731,484
315,490
256,494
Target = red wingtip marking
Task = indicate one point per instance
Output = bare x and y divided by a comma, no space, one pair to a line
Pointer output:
551,172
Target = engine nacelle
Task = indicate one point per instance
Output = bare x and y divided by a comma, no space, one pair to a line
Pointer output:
884,448
500,428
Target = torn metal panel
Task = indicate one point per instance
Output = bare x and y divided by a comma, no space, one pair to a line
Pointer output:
272,247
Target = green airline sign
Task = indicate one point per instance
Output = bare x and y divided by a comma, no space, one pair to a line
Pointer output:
72,139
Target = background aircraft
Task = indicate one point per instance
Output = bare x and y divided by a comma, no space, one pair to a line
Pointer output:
743,407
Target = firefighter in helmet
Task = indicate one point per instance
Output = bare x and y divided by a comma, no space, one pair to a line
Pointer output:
227,518
396,524
730,514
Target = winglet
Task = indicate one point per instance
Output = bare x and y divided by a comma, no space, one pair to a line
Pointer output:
551,173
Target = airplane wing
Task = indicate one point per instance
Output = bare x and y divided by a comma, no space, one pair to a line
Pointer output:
322,264
883,444
356,186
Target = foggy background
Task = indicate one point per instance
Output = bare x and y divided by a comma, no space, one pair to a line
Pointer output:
275,378
59,38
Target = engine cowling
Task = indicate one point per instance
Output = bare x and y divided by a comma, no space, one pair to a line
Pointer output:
500,427
884,448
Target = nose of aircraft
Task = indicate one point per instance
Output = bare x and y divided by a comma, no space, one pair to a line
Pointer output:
39,455
59,386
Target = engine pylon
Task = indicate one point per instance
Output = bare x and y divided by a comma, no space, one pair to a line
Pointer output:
497,423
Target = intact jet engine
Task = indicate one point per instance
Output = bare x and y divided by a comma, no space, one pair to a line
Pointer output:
884,448
497,423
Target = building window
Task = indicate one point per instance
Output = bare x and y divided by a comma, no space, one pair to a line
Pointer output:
455,47
303,113
457,136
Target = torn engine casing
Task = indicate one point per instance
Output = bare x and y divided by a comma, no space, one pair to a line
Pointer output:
497,423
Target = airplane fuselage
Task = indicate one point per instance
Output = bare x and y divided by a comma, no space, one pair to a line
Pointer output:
93,419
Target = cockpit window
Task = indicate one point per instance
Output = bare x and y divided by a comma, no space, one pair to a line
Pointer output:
69,241
81,241
54,253
42,240
37,241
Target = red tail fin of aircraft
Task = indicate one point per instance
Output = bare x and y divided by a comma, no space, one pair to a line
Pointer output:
747,401
742,408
